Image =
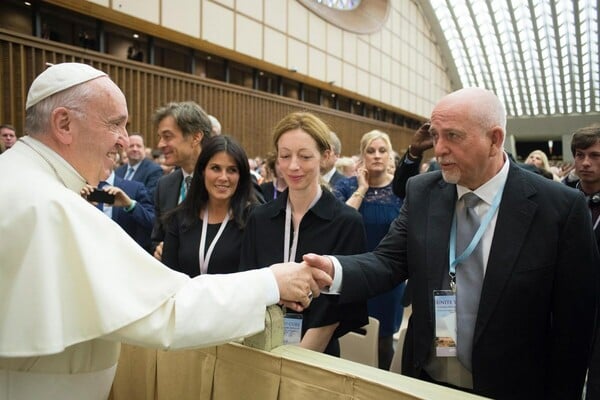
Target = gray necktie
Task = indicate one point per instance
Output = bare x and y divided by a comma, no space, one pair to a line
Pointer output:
469,279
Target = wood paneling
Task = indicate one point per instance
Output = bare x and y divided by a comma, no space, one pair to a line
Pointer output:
246,114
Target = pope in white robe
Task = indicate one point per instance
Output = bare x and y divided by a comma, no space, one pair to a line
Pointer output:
74,285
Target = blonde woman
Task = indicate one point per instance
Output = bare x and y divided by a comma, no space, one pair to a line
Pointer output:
539,159
370,192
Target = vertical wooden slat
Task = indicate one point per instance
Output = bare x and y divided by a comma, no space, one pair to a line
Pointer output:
3,89
248,115
12,83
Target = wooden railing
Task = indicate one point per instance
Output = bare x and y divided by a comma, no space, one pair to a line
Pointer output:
246,114
233,371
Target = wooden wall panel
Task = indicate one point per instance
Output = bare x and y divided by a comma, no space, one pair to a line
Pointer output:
246,114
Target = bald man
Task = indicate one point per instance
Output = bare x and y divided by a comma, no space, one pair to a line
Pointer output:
524,324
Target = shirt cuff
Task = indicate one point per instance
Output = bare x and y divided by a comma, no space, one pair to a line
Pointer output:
272,290
410,159
336,285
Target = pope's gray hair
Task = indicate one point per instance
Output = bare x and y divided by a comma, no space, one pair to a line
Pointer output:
37,117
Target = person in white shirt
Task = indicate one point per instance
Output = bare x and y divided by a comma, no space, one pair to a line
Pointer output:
73,284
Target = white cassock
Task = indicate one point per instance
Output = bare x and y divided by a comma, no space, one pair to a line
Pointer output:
74,285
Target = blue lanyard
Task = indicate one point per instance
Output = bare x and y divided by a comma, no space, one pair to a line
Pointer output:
454,261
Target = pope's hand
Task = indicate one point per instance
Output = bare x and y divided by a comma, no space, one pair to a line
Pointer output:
298,284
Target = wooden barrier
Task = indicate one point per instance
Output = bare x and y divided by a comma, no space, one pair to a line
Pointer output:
233,371
246,114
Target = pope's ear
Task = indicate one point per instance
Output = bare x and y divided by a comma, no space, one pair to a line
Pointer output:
62,125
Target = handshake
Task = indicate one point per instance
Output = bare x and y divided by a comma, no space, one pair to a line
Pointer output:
299,282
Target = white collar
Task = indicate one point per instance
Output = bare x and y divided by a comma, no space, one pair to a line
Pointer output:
64,171
327,176
136,165
111,179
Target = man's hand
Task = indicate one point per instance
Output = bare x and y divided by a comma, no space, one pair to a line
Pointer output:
121,198
320,263
421,141
298,284
86,190
158,251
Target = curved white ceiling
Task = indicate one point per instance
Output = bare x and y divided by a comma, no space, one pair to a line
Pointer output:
539,56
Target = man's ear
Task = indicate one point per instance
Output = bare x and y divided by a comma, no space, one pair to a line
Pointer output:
62,125
197,138
497,139
325,157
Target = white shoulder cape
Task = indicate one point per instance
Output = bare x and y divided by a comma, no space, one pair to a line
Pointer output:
68,274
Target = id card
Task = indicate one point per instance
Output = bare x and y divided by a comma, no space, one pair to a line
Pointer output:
445,323
292,328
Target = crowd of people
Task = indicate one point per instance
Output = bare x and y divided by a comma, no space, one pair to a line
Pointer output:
214,233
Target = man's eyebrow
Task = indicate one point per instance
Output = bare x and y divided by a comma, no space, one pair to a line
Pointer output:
118,119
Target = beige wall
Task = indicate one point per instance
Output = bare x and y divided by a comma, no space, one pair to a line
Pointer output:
399,65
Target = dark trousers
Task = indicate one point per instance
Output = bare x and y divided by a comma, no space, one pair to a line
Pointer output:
385,352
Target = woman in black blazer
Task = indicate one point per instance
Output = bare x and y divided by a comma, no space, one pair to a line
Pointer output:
306,218
204,233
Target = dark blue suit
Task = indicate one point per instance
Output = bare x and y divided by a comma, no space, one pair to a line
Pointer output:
166,197
335,178
148,173
139,221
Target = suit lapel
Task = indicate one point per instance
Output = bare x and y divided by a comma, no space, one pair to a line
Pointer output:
515,215
139,172
441,208
173,189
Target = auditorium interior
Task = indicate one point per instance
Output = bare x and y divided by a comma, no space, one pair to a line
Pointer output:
359,65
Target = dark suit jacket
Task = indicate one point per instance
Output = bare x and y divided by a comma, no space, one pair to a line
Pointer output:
166,197
536,313
406,169
335,178
148,173
138,222
268,191
593,380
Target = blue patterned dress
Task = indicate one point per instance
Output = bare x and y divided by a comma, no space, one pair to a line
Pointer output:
379,208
